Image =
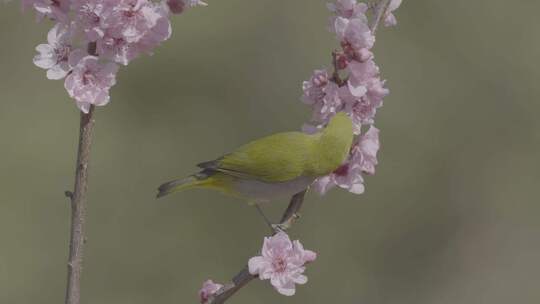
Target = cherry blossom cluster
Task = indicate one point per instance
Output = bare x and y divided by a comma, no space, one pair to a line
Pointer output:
282,261
355,87
91,38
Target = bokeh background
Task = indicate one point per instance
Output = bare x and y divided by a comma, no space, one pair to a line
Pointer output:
450,217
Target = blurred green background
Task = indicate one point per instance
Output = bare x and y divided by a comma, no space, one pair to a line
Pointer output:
450,217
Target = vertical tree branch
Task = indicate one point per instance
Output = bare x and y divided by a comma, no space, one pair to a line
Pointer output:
78,209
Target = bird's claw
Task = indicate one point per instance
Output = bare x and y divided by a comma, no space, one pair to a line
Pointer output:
285,225
279,228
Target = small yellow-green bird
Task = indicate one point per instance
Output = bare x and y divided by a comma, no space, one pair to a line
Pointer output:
275,166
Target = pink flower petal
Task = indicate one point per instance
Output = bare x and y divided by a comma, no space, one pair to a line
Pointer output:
282,262
208,289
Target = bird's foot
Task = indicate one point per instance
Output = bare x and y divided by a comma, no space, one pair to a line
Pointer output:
281,227
266,220
286,225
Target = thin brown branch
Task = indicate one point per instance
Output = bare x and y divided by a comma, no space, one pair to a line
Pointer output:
239,281
335,74
78,209
92,48
244,277
291,214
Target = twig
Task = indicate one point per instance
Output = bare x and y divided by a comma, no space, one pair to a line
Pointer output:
380,10
291,214
244,277
78,209
335,74
239,281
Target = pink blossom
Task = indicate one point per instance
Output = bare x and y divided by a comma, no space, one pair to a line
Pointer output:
116,49
359,99
282,262
362,160
348,8
54,56
208,290
121,51
324,184
90,81
362,108
160,32
354,33
313,89
123,29
130,19
329,105
368,147
56,10
89,16
132,27
389,18
362,72
364,55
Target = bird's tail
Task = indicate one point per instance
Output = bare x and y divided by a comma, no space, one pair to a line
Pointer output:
192,181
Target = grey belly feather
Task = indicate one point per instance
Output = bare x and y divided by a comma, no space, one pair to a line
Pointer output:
260,191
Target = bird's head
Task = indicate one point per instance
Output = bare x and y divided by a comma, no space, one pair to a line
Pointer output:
336,140
340,125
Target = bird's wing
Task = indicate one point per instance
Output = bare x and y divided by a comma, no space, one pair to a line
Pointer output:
277,158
